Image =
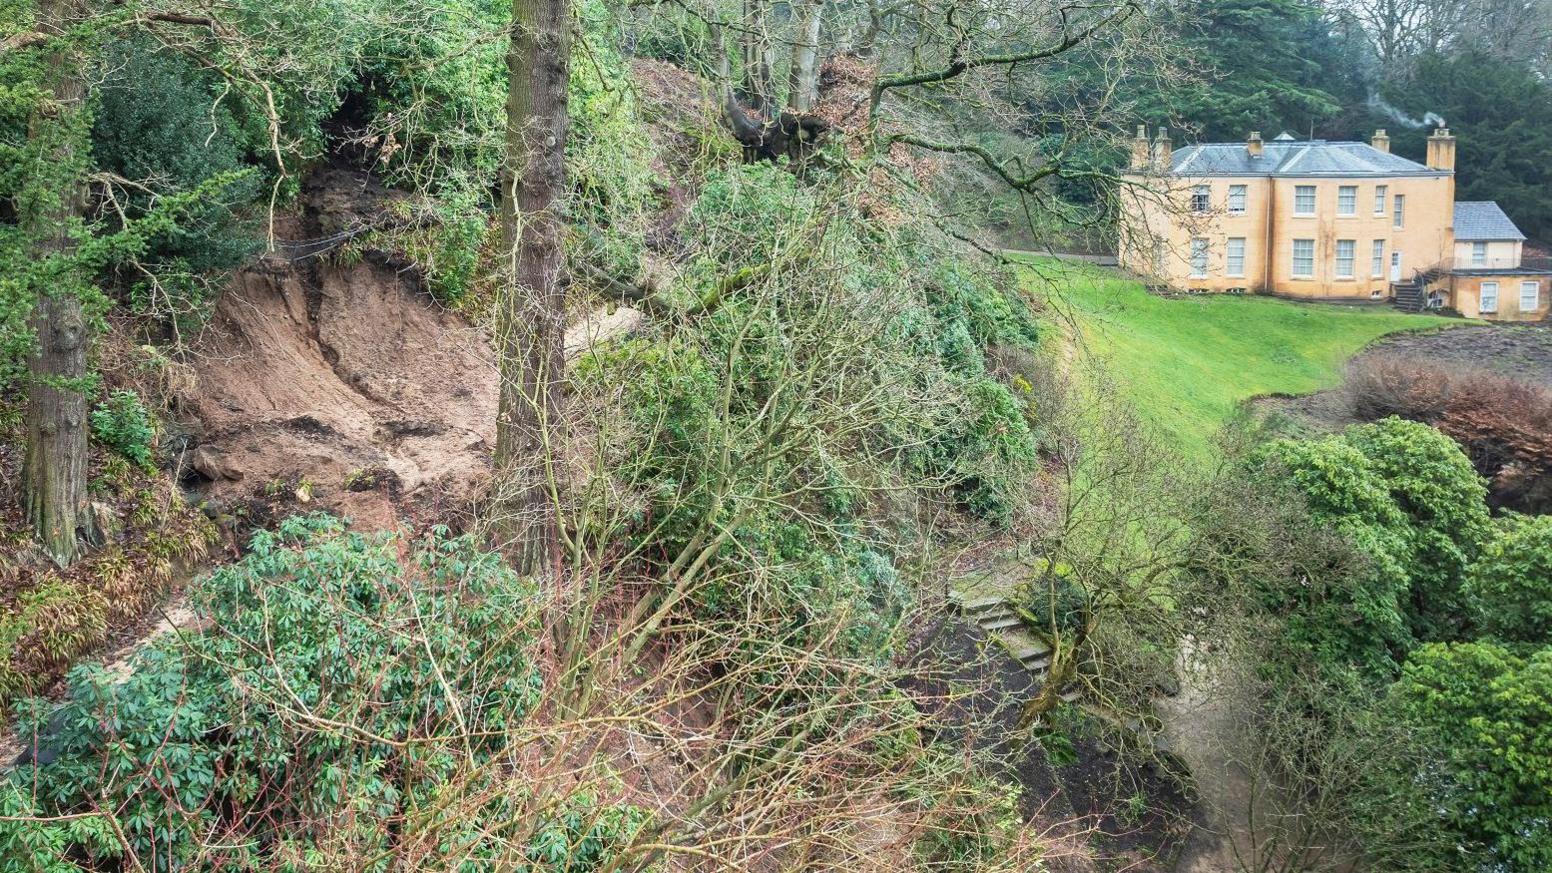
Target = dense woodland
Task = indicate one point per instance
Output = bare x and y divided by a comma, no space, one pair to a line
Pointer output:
555,435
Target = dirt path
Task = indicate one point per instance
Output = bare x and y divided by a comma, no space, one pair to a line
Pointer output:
1202,726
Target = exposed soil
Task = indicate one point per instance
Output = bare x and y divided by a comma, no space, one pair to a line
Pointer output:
339,384
1098,811
1521,352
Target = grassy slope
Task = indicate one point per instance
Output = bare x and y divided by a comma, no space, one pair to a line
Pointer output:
1187,364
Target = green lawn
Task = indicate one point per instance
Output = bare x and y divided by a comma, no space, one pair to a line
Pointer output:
1187,364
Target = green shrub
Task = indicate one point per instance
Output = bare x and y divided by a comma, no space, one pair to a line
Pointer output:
1434,484
1345,621
746,212
984,449
1511,583
348,687
123,424
1485,714
158,121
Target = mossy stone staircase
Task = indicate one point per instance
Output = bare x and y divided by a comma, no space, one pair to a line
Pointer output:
1003,623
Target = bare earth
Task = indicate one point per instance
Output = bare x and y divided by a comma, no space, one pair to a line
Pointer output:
341,384
350,378
1522,352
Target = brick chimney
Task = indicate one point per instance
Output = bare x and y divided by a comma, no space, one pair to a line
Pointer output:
1163,151
1253,144
1381,140
1140,148
1441,150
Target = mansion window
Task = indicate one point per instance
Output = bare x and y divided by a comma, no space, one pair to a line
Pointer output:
1303,259
1380,193
1377,259
1346,250
1489,301
1201,198
1304,200
1530,296
1347,200
1234,256
1237,197
1198,258
1478,254
1400,213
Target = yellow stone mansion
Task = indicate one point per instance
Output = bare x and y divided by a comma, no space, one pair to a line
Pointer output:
1339,221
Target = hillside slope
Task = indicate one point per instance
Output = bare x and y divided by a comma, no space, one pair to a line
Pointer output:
1187,364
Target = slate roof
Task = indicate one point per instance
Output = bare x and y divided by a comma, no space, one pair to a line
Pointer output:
1288,157
1483,220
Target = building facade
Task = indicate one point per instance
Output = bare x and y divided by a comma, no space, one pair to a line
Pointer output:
1318,220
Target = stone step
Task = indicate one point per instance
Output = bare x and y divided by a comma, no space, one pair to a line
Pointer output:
983,604
992,625
1036,647
1040,662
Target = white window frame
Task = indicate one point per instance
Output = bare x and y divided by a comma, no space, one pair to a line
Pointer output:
1234,264
1199,256
1381,194
1239,196
1201,198
1479,254
1347,200
1488,298
1299,191
1346,264
1293,267
1377,259
1535,295
1398,214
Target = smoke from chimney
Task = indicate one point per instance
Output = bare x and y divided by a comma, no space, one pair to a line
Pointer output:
1378,104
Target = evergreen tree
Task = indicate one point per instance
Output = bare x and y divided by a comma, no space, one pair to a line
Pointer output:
1501,113
1263,68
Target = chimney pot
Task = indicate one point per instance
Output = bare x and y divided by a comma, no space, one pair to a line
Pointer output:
1381,140
1441,150
1140,148
1163,151
1253,144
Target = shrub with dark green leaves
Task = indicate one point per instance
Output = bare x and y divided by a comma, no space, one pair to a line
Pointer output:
159,121
123,424
1485,714
1434,485
1353,620
1510,585
351,690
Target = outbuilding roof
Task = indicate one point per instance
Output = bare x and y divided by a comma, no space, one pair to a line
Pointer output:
1478,220
1289,157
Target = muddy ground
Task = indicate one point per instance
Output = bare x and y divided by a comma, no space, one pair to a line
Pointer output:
338,382
1097,809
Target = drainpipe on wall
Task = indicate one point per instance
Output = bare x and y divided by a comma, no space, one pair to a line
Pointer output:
1267,254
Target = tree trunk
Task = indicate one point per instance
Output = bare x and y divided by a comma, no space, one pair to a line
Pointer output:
54,471
531,315
804,80
54,468
759,84
869,41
